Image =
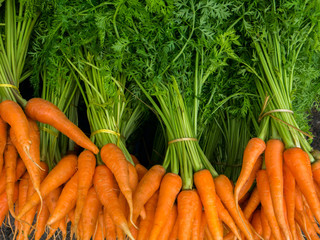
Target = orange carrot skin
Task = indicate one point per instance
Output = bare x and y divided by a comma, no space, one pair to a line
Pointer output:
13,114
253,150
99,235
56,177
204,183
316,171
110,228
86,167
266,230
203,225
103,183
266,202
274,166
252,204
224,190
148,185
44,111
146,224
169,188
197,220
167,228
186,210
141,170
300,167
133,177
306,226
174,232
134,159
256,224
43,217
4,207
3,140
90,214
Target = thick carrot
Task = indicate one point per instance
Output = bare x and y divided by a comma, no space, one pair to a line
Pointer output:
224,190
86,167
298,163
110,227
116,161
186,210
169,188
44,111
148,185
224,215
13,114
67,200
289,197
42,220
253,150
266,230
10,163
195,235
246,187
146,224
3,140
141,170
167,228
60,174
174,232
90,214
4,207
204,183
103,182
256,223
252,204
266,202
274,166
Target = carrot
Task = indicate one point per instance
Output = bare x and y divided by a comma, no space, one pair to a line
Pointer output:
13,114
134,159
203,225
110,228
148,185
306,226
167,228
51,201
133,177
147,223
298,163
103,182
42,220
289,197
45,112
65,168
10,161
141,170
99,235
316,171
252,204
224,215
4,207
253,150
224,190
134,229
266,230
90,214
174,232
86,167
186,210
169,188
256,224
246,187
197,220
20,170
3,140
229,236
266,202
116,161
66,201
208,234
274,167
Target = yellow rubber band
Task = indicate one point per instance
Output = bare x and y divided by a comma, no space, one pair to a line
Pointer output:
275,111
182,139
105,131
6,85
49,131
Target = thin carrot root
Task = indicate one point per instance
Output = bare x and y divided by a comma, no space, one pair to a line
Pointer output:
26,149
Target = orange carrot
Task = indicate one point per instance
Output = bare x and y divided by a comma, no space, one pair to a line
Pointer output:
146,224
42,220
204,183
252,204
306,226
316,171
134,159
169,189
99,235
274,166
174,232
266,202
86,167
110,228
44,111
103,182
51,201
13,114
66,201
148,185
3,140
4,207
116,161
167,228
266,230
253,150
186,210
90,214
197,220
256,224
299,164
141,170
133,177
203,225
224,190
56,177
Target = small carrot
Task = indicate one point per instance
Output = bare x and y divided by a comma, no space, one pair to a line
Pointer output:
148,185
266,230
4,207
45,112
174,232
42,220
3,140
99,235
316,171
252,204
195,235
133,177
60,174
204,183
103,182
169,188
110,227
86,167
256,224
167,228
203,225
141,170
